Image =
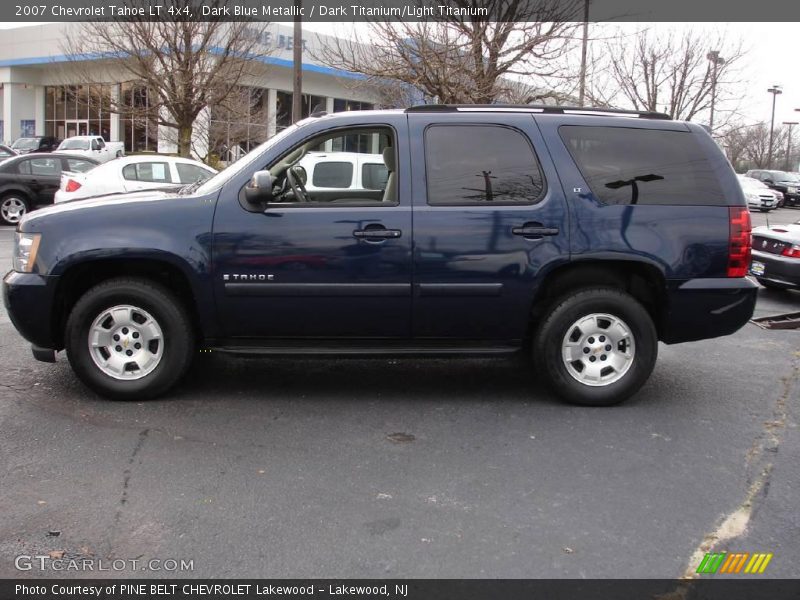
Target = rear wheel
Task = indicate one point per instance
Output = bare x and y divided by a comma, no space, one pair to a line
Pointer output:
12,208
596,346
129,339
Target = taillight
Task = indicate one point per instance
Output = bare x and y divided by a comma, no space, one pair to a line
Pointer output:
739,241
791,251
72,186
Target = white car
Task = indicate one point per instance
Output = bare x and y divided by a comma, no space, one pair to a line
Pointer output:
92,146
131,174
329,171
758,195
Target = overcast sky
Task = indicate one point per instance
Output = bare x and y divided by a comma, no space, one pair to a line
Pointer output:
773,58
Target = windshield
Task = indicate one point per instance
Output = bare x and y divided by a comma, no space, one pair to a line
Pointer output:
74,145
26,144
245,162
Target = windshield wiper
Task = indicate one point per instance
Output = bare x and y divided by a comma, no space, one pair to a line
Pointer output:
189,188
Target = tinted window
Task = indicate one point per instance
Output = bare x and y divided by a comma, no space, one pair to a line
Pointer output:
643,166
40,166
333,175
77,165
374,176
480,164
157,172
191,173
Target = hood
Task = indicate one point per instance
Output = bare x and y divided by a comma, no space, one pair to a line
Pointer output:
107,201
784,233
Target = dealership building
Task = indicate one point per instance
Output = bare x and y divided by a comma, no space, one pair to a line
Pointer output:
45,92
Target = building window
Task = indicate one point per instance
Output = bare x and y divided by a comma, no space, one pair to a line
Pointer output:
239,124
139,120
78,110
341,105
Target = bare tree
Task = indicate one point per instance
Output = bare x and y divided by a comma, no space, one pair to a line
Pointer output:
668,72
184,66
747,146
452,60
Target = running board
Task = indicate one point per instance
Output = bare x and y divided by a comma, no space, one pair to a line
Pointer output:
383,349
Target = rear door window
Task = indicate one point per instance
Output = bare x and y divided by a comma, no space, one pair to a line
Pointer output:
480,164
625,165
154,172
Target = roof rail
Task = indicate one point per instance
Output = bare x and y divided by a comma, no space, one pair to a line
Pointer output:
537,108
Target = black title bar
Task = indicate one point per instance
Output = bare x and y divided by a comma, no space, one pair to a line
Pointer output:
409,589
397,10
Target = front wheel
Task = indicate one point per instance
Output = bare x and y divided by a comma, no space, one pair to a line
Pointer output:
129,339
596,346
12,208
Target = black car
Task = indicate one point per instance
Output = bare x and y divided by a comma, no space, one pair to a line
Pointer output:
30,180
6,152
39,143
787,183
776,256
583,237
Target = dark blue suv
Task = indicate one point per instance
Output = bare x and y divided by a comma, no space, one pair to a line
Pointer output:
582,236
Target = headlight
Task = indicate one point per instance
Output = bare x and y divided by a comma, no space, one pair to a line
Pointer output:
26,246
751,197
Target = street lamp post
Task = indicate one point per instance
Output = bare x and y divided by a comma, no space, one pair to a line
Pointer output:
774,90
716,61
297,63
584,50
790,125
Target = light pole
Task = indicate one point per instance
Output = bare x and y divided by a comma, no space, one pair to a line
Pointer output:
297,63
774,90
716,61
789,124
584,50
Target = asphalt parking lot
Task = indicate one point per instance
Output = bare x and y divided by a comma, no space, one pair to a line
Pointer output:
408,468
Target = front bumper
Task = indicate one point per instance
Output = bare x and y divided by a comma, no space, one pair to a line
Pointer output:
30,301
700,309
777,269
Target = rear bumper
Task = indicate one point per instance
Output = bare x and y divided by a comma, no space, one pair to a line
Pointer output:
777,269
29,300
699,309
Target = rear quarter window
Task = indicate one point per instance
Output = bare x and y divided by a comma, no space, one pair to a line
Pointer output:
625,165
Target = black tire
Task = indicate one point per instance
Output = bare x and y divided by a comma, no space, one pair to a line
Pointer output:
773,286
563,313
16,198
178,339
764,209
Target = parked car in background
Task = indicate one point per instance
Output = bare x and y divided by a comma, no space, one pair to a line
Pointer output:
786,183
92,146
31,180
41,143
757,194
335,171
776,256
131,174
6,152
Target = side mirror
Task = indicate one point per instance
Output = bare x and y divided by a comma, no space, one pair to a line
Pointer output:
258,192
